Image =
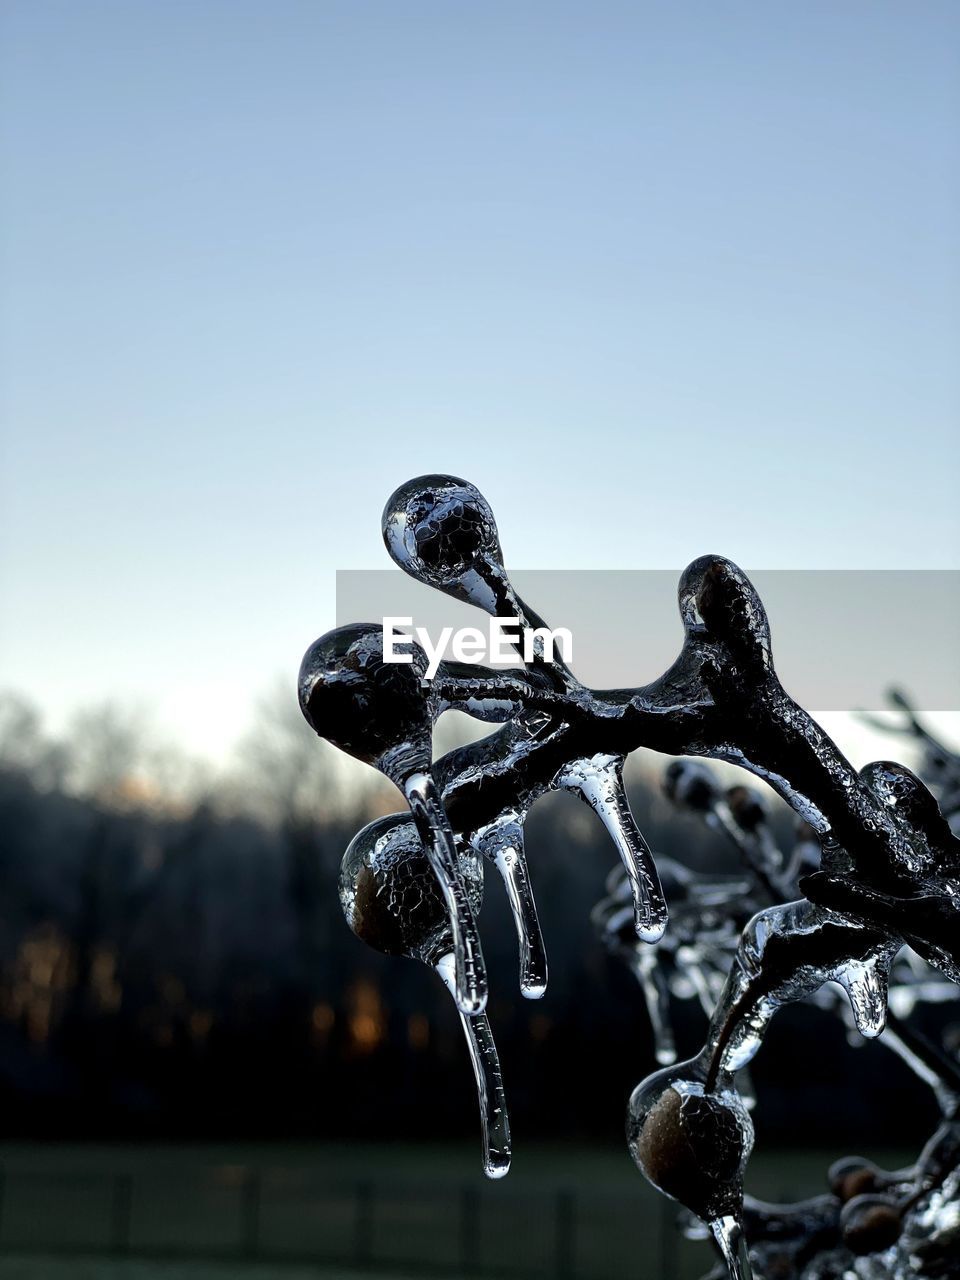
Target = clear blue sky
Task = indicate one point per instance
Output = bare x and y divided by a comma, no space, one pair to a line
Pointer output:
662,278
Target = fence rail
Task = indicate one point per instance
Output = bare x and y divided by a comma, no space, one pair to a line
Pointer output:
281,1215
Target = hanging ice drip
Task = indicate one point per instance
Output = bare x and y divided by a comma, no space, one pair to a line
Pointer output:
872,1223
878,866
392,901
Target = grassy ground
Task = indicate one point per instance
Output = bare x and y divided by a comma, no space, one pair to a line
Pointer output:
559,1165
46,1268
259,1212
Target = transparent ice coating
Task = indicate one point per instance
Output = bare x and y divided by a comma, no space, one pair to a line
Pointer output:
721,697
392,901
440,530
502,843
439,843
499,761
494,1121
877,1223
919,900
692,1143
941,764
613,920
877,866
382,714
691,960
647,969
785,954
599,782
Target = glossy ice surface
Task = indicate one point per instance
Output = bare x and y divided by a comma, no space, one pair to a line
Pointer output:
876,867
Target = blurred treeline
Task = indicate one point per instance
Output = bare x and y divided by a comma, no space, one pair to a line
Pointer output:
174,963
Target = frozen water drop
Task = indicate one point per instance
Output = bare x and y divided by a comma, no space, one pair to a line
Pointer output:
441,530
690,1142
390,896
377,712
866,986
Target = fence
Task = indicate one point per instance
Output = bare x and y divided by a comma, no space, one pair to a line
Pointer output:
291,1215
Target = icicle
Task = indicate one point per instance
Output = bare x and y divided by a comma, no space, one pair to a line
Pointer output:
383,715
656,994
728,1234
502,843
866,986
599,782
392,901
440,847
494,1120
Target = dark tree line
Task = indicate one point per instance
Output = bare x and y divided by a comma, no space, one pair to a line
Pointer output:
173,960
